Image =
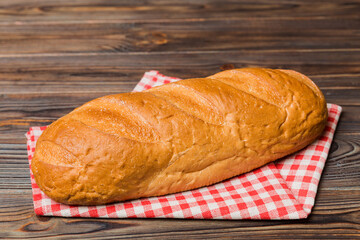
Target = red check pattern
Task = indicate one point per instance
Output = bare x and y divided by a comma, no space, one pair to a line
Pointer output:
285,189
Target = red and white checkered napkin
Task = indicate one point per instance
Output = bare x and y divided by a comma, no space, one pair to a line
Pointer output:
285,189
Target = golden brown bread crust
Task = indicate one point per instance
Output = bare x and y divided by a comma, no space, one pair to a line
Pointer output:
178,136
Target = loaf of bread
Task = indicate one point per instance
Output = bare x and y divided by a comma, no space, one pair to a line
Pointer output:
178,136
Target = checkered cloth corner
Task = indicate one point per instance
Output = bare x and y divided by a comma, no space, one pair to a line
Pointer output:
285,189
153,79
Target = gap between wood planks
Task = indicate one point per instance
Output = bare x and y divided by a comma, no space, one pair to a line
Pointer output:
170,20
31,55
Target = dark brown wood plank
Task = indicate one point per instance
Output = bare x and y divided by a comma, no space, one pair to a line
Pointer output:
104,81
233,34
50,11
317,61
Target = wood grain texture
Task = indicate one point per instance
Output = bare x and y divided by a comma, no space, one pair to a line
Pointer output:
56,55
140,36
153,10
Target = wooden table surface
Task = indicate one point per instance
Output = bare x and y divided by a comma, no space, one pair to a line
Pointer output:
56,55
